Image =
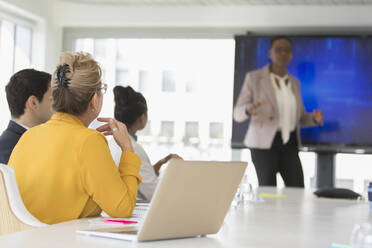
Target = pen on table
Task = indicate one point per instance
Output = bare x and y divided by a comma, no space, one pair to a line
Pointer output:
125,222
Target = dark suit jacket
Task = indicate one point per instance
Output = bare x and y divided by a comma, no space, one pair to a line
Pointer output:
9,139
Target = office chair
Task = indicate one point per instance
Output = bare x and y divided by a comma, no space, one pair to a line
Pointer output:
13,214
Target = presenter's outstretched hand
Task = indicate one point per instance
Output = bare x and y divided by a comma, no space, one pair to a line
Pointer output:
118,130
318,116
254,109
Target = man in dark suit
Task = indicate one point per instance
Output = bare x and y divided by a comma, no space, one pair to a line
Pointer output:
29,98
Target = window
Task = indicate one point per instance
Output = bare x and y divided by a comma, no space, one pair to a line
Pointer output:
122,76
103,75
7,49
157,67
123,53
192,129
190,85
22,54
100,48
16,44
216,130
143,81
191,133
84,45
16,54
146,131
169,82
167,129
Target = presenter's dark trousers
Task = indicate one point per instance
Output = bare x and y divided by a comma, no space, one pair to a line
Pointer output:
282,158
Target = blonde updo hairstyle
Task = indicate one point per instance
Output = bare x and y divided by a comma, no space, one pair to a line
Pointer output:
76,79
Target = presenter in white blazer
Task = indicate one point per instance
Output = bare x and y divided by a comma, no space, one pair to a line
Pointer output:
271,98
131,109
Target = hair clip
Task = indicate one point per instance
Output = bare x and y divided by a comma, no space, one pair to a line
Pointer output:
61,75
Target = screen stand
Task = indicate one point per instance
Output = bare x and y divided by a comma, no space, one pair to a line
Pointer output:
325,170
236,154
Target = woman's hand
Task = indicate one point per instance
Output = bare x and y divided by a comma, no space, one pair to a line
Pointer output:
318,117
171,156
254,109
158,165
118,130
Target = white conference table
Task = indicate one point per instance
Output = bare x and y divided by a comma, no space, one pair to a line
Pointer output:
298,220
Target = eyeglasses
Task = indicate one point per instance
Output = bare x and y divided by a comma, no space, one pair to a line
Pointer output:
283,49
103,89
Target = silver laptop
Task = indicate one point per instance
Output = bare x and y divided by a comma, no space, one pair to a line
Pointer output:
191,199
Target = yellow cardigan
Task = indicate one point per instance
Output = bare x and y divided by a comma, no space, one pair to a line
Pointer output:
65,171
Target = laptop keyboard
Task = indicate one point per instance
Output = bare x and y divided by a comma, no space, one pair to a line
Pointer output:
140,211
129,230
132,230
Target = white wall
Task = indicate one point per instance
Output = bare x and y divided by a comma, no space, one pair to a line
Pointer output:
220,21
253,18
34,7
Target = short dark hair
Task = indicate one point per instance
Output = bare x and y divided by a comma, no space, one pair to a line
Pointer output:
129,105
22,85
279,38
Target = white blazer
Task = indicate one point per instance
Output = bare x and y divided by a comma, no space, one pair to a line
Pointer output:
257,87
149,179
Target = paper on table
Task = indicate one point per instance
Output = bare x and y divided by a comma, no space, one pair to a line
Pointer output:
334,245
113,221
268,195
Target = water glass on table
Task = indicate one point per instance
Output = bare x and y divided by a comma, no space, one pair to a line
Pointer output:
361,236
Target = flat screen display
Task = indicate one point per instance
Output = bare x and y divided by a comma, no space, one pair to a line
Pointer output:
335,75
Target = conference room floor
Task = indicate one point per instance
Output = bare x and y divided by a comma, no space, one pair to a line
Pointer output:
286,218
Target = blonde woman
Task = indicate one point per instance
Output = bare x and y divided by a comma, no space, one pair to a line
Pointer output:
65,170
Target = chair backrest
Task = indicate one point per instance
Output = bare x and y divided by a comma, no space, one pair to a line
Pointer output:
13,214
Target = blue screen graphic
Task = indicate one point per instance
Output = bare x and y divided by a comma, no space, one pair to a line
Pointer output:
335,75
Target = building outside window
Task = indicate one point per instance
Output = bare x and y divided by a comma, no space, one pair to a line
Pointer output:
167,129
191,133
166,135
100,48
146,131
178,122
122,77
216,130
169,81
144,81
191,86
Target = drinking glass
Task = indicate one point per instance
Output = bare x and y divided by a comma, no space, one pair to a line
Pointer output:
361,236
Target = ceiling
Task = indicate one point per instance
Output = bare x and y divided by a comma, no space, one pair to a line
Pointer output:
221,2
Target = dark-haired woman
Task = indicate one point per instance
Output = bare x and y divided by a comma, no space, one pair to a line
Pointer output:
64,170
271,98
131,109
